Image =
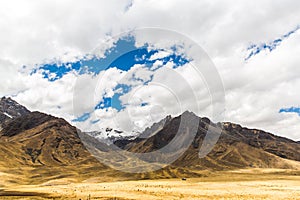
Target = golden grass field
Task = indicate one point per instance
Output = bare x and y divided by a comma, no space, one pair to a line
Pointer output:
240,184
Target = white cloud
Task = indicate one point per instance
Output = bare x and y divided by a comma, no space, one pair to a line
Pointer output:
263,86
160,55
35,31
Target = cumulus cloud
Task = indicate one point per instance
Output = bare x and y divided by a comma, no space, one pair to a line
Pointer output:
33,32
264,85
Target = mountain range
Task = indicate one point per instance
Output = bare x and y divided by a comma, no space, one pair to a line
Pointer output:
37,147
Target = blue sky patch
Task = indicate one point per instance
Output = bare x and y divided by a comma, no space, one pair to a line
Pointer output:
95,121
82,118
123,55
255,49
58,70
104,104
121,48
290,110
114,101
91,65
108,102
144,104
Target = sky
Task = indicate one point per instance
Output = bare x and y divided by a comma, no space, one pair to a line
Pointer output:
78,60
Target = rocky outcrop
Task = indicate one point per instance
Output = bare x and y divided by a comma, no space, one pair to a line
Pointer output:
10,109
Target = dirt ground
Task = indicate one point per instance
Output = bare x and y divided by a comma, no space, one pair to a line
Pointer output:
242,184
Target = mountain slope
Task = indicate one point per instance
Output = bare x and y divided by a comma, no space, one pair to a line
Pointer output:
36,147
45,140
271,143
237,147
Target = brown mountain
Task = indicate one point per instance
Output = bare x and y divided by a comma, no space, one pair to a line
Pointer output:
36,147
44,140
237,147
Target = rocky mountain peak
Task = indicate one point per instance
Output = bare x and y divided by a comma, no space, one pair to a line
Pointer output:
156,127
10,109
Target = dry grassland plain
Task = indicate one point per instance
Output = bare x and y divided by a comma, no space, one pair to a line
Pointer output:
240,184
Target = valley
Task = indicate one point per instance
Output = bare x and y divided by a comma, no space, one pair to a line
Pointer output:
238,184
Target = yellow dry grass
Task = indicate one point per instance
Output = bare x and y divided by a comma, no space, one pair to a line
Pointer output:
239,184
